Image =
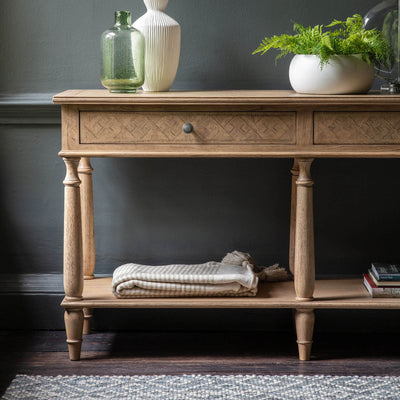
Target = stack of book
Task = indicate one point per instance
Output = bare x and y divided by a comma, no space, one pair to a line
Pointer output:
383,280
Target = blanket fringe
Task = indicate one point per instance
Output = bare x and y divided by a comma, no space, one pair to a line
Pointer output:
270,274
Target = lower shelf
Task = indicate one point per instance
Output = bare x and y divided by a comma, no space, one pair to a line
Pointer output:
338,293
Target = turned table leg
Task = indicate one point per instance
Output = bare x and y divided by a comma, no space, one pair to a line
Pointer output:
304,264
73,326
85,172
293,206
304,319
73,267
87,320
304,258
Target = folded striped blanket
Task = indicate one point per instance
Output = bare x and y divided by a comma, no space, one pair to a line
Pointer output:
179,280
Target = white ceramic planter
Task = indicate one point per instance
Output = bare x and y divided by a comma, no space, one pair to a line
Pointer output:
341,75
163,44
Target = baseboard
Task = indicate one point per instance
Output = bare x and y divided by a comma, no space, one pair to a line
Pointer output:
28,109
34,283
31,283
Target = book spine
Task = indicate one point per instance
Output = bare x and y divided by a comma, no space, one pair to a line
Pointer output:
385,277
369,288
380,291
393,292
388,277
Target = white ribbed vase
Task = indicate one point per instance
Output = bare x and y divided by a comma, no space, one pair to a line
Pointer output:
163,45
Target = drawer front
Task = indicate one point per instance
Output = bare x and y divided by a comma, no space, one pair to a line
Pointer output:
208,127
357,127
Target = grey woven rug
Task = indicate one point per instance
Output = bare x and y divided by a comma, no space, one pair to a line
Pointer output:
203,387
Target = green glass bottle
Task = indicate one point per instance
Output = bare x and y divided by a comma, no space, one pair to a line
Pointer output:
122,58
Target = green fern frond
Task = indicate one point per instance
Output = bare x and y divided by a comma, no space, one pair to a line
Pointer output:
347,37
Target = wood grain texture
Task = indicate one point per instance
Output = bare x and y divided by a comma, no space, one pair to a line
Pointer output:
293,206
325,126
208,128
356,127
87,320
226,124
70,126
234,151
304,319
304,264
73,260
223,97
85,172
73,327
337,293
305,127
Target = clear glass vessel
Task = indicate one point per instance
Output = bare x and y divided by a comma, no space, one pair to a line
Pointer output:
385,17
122,56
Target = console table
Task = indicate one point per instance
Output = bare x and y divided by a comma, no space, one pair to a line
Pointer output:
96,123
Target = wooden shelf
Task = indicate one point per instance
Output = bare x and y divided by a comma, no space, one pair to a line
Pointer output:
339,294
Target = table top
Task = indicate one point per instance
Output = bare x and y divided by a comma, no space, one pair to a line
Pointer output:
220,97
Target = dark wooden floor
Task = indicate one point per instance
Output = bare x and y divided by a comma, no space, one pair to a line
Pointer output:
130,353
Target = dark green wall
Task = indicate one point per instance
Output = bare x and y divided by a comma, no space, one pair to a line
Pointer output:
52,45
160,211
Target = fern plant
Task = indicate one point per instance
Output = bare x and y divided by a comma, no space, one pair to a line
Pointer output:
337,38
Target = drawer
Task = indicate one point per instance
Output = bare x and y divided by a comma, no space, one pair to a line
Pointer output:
357,127
99,127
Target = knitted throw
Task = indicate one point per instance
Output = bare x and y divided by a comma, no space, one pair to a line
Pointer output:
234,276
209,279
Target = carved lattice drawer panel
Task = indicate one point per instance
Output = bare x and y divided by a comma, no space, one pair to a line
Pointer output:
357,127
208,127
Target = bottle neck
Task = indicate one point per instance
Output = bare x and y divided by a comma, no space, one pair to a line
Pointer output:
156,5
122,18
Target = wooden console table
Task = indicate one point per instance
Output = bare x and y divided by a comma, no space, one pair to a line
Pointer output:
218,124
